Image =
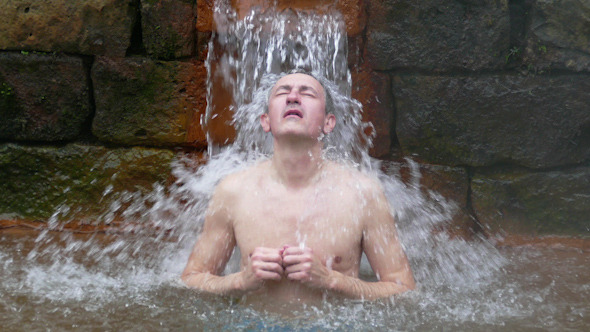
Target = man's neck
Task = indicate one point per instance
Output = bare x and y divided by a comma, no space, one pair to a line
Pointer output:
297,165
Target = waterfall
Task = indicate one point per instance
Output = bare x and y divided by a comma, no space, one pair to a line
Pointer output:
245,58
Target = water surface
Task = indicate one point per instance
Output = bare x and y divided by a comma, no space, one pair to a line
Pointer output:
537,288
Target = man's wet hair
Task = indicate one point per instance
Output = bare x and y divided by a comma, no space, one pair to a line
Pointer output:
329,108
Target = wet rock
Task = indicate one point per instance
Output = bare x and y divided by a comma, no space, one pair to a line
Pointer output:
452,184
533,204
445,187
355,50
43,97
373,90
168,28
220,129
145,102
558,36
196,98
536,122
355,17
437,35
205,22
353,11
82,27
34,181
202,45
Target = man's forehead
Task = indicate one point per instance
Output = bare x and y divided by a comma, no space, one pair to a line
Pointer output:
298,79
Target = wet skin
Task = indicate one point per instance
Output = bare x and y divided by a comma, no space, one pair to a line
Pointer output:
300,222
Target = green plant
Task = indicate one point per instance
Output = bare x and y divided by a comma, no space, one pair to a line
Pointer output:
543,48
6,90
513,52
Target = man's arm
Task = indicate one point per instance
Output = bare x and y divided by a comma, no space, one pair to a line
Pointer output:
383,249
214,248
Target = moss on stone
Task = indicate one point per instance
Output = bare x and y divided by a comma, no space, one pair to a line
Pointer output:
163,43
34,181
10,112
539,203
139,102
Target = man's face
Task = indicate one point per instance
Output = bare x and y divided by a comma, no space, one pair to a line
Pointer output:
297,107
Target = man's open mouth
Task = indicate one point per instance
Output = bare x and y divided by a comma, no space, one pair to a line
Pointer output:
294,112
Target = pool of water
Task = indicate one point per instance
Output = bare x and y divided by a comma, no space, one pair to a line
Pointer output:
129,281
535,288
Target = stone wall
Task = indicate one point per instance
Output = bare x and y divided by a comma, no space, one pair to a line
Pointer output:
96,96
492,98
499,90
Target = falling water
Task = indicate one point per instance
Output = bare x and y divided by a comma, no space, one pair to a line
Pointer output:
130,280
247,56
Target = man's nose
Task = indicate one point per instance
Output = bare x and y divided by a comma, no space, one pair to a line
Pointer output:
293,97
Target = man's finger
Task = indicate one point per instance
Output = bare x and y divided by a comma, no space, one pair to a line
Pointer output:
298,276
260,255
295,251
267,275
289,260
300,267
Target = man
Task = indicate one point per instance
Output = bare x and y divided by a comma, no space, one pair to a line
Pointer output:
301,222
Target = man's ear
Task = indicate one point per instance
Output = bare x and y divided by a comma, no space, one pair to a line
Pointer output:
329,123
265,122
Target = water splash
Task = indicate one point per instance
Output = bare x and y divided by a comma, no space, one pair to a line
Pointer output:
159,228
247,57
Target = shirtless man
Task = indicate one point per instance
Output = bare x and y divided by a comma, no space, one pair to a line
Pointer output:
301,222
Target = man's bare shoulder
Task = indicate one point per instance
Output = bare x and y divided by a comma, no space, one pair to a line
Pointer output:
237,182
351,176
363,187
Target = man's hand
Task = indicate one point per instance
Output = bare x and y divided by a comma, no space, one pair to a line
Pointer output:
302,265
263,264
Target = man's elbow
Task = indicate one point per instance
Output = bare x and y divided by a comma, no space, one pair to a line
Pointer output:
409,287
405,282
191,278
186,278
410,283
404,287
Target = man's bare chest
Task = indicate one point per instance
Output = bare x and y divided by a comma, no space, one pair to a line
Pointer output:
327,221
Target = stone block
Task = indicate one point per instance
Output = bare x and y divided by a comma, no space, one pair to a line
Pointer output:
84,27
34,181
354,14
373,91
141,101
43,97
533,121
558,36
202,47
517,202
437,35
447,188
168,28
353,11
205,21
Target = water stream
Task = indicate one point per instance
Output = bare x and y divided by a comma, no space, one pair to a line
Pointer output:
130,280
